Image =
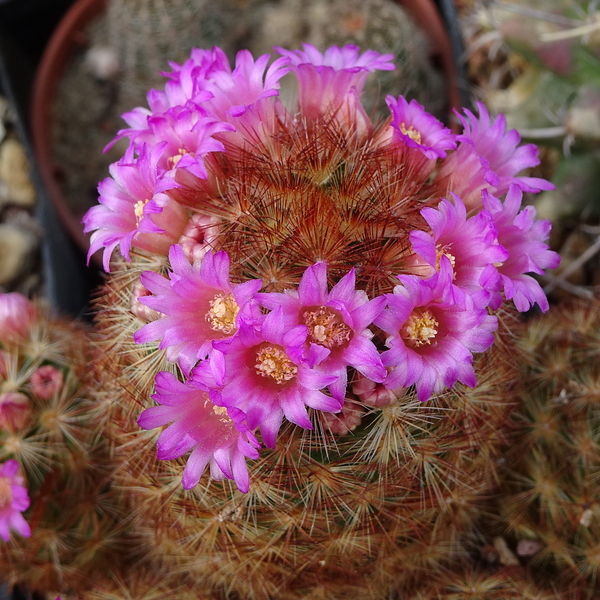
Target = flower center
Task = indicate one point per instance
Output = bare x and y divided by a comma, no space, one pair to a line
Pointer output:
443,251
219,411
274,363
222,313
326,327
138,209
421,328
173,160
6,494
411,132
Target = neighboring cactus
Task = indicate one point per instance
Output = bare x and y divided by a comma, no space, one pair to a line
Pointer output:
470,583
146,35
370,488
551,488
46,427
542,69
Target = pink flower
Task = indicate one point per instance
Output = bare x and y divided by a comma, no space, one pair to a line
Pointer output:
416,128
268,374
46,382
15,411
133,208
199,304
525,239
431,338
216,436
337,322
332,80
186,85
251,81
500,153
188,81
188,133
16,316
470,244
206,87
13,501
488,157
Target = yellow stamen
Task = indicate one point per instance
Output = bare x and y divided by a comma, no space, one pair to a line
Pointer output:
411,132
443,251
138,208
326,328
421,328
6,494
274,363
173,160
222,313
220,411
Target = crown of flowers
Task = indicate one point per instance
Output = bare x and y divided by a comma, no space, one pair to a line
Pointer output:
382,249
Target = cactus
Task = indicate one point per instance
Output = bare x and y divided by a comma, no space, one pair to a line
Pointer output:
46,430
550,488
354,366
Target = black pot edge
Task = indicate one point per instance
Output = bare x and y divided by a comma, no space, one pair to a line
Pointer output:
67,280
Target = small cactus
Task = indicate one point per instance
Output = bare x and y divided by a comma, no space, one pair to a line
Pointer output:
71,523
550,488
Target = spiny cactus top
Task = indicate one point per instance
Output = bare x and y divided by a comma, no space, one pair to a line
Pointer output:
382,249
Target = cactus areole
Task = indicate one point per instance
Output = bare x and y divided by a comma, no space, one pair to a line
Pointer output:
295,248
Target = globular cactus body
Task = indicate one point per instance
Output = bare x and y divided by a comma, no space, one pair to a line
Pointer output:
224,191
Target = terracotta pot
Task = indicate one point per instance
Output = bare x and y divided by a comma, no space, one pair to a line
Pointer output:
69,36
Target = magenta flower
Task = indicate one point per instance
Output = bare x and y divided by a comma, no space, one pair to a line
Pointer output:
46,381
337,322
199,304
185,86
525,239
470,244
16,316
416,128
268,374
133,208
13,501
216,436
431,338
500,153
189,136
329,80
236,91
188,81
236,103
488,157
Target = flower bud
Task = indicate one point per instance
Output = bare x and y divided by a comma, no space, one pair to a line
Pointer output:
16,315
46,381
15,411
